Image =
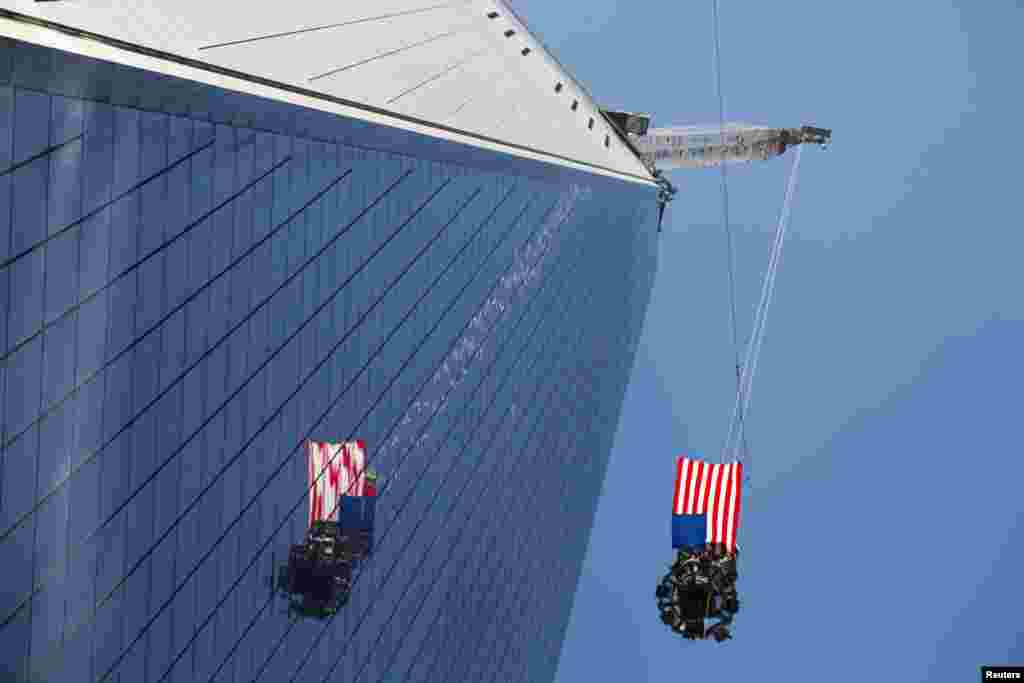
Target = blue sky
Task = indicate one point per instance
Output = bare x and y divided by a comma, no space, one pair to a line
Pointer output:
886,412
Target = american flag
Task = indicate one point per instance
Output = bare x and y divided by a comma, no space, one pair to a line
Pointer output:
711,490
335,470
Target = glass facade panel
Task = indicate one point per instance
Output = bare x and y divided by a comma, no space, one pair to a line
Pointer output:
186,299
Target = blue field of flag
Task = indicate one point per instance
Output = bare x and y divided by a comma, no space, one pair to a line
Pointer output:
691,530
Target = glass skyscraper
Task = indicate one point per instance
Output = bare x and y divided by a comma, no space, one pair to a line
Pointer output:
194,280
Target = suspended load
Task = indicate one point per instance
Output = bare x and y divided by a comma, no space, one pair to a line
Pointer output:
713,145
700,587
342,500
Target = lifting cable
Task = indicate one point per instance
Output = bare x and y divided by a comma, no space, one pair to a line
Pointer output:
728,230
757,336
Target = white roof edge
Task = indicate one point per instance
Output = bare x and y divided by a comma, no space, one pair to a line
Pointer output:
44,33
584,93
553,61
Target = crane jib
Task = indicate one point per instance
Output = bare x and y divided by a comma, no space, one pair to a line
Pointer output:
711,146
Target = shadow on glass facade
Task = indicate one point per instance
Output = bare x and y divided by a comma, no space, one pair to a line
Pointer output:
194,281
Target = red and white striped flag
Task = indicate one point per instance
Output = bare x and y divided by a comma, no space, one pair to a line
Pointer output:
710,489
335,470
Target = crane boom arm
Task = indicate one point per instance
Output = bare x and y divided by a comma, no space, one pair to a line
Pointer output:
708,146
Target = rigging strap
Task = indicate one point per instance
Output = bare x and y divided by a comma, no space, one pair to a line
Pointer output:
742,403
